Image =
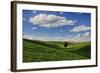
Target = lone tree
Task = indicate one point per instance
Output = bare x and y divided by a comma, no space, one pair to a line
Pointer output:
65,44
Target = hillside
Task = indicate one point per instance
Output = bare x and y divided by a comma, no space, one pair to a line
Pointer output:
36,51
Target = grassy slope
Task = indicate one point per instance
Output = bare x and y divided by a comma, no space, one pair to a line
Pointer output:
35,51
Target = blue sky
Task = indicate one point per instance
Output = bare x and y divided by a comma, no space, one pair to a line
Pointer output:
52,25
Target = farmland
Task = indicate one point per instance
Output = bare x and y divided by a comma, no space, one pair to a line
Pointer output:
37,51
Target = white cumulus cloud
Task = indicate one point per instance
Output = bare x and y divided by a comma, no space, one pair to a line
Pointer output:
82,37
80,28
26,36
50,20
87,34
77,38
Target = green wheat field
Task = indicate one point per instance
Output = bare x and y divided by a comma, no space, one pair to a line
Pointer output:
38,51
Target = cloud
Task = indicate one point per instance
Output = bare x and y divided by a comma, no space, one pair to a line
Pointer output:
80,28
34,28
78,37
26,36
87,34
50,20
82,37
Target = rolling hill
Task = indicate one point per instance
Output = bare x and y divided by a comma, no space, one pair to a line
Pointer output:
37,51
